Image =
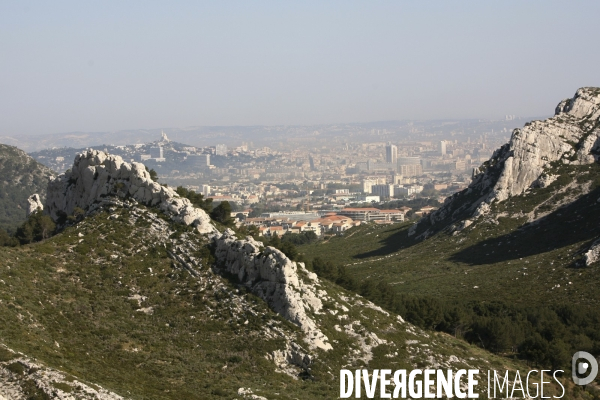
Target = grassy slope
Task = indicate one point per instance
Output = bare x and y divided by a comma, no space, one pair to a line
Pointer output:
65,302
53,296
512,261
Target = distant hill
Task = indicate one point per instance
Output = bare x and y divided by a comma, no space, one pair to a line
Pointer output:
20,177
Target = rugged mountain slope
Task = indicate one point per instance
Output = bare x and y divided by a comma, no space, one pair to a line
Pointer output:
20,177
510,261
146,298
532,159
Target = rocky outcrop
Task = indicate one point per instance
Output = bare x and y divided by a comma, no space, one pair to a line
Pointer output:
571,136
98,179
34,203
48,382
593,254
96,175
275,278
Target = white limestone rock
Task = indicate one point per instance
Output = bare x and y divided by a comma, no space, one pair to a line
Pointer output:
14,386
521,163
96,175
34,203
292,355
593,254
273,277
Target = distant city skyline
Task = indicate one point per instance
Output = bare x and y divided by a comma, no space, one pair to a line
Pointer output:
69,66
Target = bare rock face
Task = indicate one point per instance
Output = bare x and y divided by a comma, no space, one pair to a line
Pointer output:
276,279
34,203
571,136
96,175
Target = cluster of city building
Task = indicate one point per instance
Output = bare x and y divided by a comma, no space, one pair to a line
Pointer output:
329,172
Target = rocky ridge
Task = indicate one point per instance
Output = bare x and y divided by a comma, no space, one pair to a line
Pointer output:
570,137
99,181
96,175
276,279
96,179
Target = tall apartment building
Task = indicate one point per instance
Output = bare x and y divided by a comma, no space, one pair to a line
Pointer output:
367,184
199,160
410,166
383,191
443,147
391,153
404,191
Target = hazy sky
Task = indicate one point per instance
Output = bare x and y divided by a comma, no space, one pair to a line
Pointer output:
111,65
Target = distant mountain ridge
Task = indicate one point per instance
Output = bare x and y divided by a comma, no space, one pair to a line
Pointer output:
258,135
20,177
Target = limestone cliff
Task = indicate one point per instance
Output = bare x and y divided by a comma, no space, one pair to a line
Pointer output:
571,136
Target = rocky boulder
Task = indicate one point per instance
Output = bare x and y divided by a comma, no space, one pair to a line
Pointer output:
34,203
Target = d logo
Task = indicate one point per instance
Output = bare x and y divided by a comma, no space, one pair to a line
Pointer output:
582,367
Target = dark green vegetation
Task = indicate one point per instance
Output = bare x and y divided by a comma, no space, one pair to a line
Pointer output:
197,199
153,174
20,177
508,285
37,227
222,214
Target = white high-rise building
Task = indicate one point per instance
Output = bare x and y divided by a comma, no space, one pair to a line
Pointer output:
367,184
443,147
410,166
205,190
